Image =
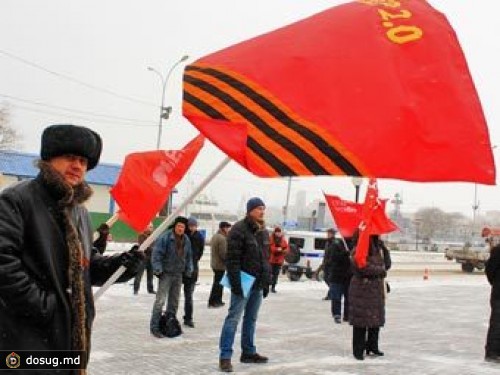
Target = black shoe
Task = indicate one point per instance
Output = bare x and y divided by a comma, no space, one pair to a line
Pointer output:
337,319
189,323
326,298
359,357
225,365
157,334
136,292
273,290
492,358
376,353
253,358
345,318
213,305
151,292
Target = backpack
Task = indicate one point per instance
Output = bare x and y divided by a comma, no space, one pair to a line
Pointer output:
169,325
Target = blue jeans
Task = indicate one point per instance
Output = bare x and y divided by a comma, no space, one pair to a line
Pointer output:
168,286
336,291
251,306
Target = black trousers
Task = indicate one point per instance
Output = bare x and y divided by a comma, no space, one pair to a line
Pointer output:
189,284
217,289
360,341
276,268
493,337
146,265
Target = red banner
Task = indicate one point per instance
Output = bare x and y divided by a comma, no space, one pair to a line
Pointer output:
371,87
146,180
348,216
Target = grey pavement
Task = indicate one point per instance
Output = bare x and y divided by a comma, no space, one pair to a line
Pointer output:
437,326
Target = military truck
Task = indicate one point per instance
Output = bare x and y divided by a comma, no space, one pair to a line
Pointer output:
474,256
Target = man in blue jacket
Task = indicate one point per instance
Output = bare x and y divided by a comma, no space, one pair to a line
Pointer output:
170,259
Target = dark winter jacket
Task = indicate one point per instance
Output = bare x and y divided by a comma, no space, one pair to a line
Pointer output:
366,291
337,263
248,251
493,272
165,257
197,247
35,305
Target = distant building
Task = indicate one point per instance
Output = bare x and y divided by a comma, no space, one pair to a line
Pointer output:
18,166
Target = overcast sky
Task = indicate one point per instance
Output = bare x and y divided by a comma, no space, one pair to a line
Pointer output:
48,47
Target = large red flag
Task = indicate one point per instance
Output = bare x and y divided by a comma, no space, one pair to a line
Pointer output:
348,216
371,87
146,180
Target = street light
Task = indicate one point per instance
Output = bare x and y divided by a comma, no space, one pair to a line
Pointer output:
165,111
417,226
357,181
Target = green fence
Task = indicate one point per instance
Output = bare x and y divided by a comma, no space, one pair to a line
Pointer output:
120,231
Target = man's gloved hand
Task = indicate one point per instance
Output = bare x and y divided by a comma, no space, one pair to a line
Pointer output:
265,291
131,259
237,290
158,274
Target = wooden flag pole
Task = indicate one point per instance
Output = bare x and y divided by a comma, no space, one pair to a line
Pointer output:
163,226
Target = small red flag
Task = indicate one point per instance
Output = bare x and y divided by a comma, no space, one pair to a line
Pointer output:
348,216
146,180
374,221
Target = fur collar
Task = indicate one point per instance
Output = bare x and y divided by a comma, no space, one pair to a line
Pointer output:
61,191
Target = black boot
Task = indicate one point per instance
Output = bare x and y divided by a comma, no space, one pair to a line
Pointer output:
358,342
372,342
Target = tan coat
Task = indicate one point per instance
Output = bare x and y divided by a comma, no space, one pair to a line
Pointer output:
218,245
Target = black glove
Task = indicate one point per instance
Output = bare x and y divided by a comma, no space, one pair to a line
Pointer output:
131,259
237,290
265,291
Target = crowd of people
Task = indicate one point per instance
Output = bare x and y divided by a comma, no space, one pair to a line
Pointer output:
49,261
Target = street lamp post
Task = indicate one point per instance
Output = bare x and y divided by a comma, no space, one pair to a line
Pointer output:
417,226
357,181
165,111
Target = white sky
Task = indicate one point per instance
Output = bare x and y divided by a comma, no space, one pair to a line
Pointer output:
110,43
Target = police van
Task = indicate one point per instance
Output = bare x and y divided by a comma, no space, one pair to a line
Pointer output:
305,254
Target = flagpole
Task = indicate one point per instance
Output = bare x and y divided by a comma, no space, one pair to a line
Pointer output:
110,222
161,228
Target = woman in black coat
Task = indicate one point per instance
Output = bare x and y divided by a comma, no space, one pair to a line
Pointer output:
493,275
367,299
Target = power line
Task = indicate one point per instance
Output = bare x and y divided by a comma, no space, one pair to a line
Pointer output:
21,107
75,80
75,110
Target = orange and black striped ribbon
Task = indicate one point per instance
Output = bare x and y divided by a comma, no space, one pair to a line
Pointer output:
279,141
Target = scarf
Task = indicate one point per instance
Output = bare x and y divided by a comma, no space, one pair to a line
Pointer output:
67,199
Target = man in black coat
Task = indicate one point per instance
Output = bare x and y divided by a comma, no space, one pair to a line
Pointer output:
493,337
247,251
197,247
338,270
47,263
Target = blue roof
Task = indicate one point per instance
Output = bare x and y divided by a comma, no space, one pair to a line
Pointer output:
19,164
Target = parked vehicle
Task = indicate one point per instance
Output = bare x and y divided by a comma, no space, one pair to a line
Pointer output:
470,257
305,255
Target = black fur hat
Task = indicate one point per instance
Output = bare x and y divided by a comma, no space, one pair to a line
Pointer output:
58,140
179,219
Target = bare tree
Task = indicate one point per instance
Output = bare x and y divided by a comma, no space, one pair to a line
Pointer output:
9,138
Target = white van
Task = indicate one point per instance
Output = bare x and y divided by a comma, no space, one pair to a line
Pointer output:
305,255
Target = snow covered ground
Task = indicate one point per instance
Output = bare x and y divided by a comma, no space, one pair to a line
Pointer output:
435,326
